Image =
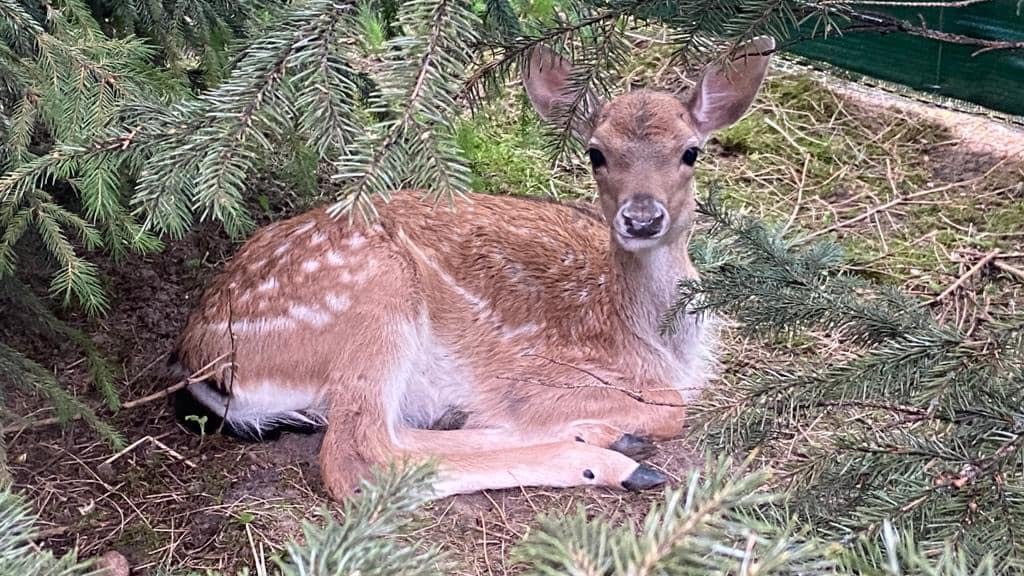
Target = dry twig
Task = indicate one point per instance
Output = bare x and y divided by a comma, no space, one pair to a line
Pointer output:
965,277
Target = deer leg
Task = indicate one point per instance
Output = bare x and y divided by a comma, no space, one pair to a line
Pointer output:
592,432
612,437
556,464
601,417
473,459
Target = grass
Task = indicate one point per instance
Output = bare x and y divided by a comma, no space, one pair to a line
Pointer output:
505,145
803,158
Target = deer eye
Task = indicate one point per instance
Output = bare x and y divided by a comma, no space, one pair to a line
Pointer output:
690,155
596,158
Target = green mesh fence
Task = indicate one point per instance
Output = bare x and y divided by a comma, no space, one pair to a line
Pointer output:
993,79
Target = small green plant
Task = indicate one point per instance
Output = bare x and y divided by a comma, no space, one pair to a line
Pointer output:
373,30
201,422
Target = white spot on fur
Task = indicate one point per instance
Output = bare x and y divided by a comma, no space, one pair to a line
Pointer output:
267,285
255,325
318,238
334,258
338,302
510,332
358,277
282,248
311,266
306,227
310,315
355,241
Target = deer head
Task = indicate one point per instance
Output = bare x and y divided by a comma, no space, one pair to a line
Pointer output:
644,145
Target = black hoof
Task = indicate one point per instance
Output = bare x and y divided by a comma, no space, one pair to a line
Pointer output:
636,447
644,478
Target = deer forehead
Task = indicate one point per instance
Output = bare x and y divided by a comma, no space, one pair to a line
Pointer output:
644,121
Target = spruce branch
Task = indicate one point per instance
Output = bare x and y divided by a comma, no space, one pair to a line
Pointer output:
508,56
415,99
206,150
19,555
363,544
100,370
926,418
24,373
703,527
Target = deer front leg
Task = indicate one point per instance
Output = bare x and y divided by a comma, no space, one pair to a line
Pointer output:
604,417
470,459
557,464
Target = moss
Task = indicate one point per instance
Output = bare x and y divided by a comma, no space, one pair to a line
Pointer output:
139,536
505,147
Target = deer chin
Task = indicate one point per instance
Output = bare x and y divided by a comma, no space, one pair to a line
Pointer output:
633,244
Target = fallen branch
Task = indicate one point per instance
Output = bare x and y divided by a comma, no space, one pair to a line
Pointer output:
1009,269
965,277
105,467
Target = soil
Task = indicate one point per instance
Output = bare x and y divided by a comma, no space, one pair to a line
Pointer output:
184,502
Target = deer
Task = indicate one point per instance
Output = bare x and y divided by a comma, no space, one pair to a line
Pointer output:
512,341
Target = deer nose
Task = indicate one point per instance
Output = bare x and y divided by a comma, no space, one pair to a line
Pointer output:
642,217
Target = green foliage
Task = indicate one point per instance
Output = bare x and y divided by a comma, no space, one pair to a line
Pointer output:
373,29
923,420
125,122
65,83
506,155
292,82
26,374
364,543
702,527
412,144
900,554
17,553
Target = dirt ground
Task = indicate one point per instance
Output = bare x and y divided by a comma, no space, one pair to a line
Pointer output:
179,502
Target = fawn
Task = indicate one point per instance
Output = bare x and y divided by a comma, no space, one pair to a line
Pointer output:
513,341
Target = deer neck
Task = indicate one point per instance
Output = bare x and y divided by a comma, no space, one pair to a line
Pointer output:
643,284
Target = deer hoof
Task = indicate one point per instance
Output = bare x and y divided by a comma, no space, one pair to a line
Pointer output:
644,478
636,447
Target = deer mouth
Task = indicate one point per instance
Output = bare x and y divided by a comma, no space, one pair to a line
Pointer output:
638,243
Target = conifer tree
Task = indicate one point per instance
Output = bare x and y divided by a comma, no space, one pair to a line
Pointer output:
925,422
110,145
67,71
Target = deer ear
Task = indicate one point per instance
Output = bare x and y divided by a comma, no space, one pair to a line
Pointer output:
726,90
547,78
